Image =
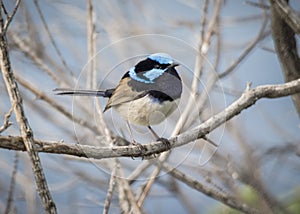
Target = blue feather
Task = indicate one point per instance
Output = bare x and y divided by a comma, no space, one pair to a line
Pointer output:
154,73
150,75
161,58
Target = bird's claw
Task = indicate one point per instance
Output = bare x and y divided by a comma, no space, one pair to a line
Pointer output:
166,142
141,148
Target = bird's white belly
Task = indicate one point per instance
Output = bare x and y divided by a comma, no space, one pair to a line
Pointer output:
145,111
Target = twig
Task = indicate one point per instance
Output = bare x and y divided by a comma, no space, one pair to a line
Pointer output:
24,47
193,183
36,3
112,184
213,78
247,99
259,5
6,122
175,188
261,35
91,81
9,18
147,186
4,9
12,184
252,176
43,96
138,171
203,49
127,201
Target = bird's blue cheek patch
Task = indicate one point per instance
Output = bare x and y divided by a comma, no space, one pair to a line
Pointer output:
150,75
153,73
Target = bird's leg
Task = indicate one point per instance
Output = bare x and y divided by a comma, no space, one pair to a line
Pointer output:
165,141
130,133
210,141
133,142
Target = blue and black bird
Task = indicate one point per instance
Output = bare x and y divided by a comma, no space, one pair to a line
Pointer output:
146,94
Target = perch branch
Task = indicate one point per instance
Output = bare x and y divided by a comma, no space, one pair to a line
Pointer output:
248,98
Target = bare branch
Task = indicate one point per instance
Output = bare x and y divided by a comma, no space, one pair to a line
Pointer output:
202,52
147,186
52,40
247,99
91,37
193,183
127,201
43,96
261,35
24,47
138,171
6,122
12,184
112,184
4,9
9,18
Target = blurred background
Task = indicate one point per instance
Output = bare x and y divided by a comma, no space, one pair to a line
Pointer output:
91,44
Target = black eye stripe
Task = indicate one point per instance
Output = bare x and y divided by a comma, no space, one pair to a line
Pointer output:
149,64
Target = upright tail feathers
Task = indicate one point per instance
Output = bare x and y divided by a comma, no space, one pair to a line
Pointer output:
73,92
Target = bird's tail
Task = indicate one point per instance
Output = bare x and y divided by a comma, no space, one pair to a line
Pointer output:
79,92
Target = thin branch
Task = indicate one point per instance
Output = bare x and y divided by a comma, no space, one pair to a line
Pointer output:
52,40
43,96
9,18
147,186
202,52
213,78
4,9
6,122
91,43
193,183
258,5
248,98
127,201
112,184
12,184
203,23
251,174
261,35
32,55
138,171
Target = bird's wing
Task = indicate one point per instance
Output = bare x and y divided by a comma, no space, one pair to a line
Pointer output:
122,94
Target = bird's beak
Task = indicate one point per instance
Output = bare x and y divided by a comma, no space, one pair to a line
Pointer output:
173,65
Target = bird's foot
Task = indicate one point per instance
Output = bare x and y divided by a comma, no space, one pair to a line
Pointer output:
141,148
165,141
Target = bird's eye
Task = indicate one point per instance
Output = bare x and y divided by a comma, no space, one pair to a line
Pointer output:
156,66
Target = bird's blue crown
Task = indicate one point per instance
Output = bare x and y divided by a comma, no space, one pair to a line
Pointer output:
161,58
